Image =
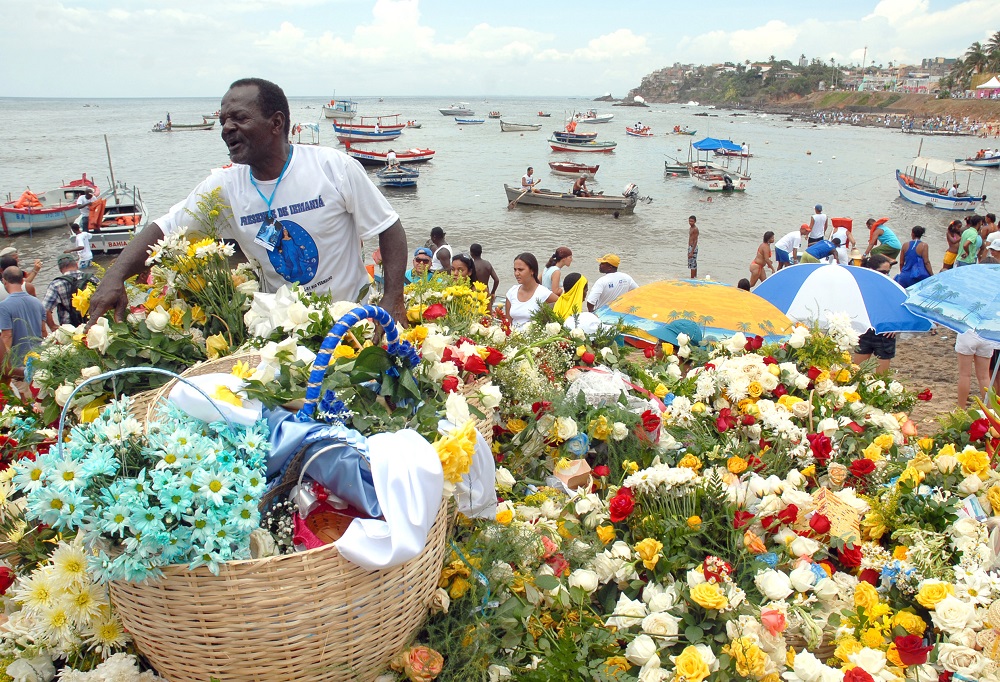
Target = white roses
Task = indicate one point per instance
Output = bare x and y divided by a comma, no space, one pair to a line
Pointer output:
774,585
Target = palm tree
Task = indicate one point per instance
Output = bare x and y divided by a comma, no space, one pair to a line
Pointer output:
993,50
976,59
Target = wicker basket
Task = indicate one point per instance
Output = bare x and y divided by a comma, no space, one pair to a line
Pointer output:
483,425
311,615
823,652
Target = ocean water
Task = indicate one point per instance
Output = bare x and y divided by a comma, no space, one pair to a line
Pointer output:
850,171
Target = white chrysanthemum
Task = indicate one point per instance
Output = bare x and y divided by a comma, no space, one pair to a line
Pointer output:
69,566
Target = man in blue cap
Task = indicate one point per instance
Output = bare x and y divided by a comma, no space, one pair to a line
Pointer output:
421,270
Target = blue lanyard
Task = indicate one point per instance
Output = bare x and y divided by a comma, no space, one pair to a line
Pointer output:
268,200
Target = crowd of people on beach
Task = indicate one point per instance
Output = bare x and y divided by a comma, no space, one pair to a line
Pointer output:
959,125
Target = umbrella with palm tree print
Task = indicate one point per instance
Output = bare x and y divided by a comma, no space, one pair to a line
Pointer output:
961,299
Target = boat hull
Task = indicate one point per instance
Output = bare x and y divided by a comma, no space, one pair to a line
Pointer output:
518,127
371,158
457,111
935,200
470,121
57,209
603,147
712,179
357,135
181,127
566,136
558,200
398,177
573,169
124,217
737,155
604,118
676,169
988,162
632,132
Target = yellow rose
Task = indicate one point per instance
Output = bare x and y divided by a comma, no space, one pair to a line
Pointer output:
790,654
198,315
865,595
736,464
92,410
750,660
344,351
615,665
667,348
216,346
822,376
709,596
900,552
910,622
660,391
698,408
932,593
505,516
921,463
755,390
993,495
843,376
580,350
787,401
873,638
873,452
885,441
852,396
847,646
948,449
809,471
694,522
600,429
629,467
925,444
690,666
911,477
974,462
605,533
516,425
649,551
176,317
689,461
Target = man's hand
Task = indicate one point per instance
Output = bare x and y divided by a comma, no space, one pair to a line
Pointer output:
38,265
110,295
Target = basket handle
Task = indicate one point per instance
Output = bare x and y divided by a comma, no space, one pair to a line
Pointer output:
129,370
400,349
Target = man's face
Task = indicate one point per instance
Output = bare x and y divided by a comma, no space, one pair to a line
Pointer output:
691,222
245,130
421,262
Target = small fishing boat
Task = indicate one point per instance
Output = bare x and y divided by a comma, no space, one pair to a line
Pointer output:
743,152
591,116
714,178
683,131
566,200
572,169
470,121
518,127
358,135
375,124
494,114
374,158
210,117
44,210
457,109
572,136
120,217
341,109
984,158
543,114
677,169
170,127
644,131
398,177
413,124
591,146
927,181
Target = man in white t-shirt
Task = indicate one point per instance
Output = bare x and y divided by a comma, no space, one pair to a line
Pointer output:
83,202
817,226
610,285
441,259
528,180
786,249
82,241
301,212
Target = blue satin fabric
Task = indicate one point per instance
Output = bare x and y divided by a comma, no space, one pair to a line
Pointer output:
344,470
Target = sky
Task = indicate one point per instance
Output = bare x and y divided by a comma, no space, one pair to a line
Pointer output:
195,48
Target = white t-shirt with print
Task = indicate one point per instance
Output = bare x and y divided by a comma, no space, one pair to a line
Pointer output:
609,287
327,205
82,239
521,311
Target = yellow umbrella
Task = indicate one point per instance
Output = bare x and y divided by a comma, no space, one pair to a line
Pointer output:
719,310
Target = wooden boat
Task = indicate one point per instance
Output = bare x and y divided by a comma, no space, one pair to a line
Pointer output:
927,181
494,114
683,131
413,124
210,117
373,158
591,146
714,178
573,136
645,131
349,135
984,158
170,127
457,109
470,121
742,154
677,168
44,210
592,116
381,124
123,216
572,169
565,200
543,114
398,177
518,127
341,109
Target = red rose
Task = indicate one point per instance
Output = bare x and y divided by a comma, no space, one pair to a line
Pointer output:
435,311
475,365
753,461
449,384
820,524
856,427
870,576
770,360
858,675
813,372
601,471
650,421
559,565
540,408
754,343
789,514
779,391
748,420
588,357
911,650
821,446
493,356
925,394
725,420
862,467
978,429
714,568
769,522
946,676
649,352
741,518
621,505
850,555
7,577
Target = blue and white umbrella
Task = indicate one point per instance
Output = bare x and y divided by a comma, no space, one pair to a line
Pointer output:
809,292
961,299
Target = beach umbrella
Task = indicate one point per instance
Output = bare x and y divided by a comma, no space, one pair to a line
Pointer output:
960,299
808,292
719,310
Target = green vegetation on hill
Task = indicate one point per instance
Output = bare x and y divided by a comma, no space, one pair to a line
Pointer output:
734,83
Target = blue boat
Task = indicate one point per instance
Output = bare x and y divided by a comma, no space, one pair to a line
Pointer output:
398,177
470,121
347,134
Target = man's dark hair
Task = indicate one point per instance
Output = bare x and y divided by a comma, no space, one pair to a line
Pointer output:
13,275
270,98
991,217
877,260
7,262
476,250
694,218
437,233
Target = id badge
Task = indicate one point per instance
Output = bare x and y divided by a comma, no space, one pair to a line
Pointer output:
269,234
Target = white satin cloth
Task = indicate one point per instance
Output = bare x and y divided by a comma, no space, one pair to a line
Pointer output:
409,483
186,398
476,493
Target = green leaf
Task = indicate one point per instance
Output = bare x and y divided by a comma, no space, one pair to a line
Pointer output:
693,634
547,582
